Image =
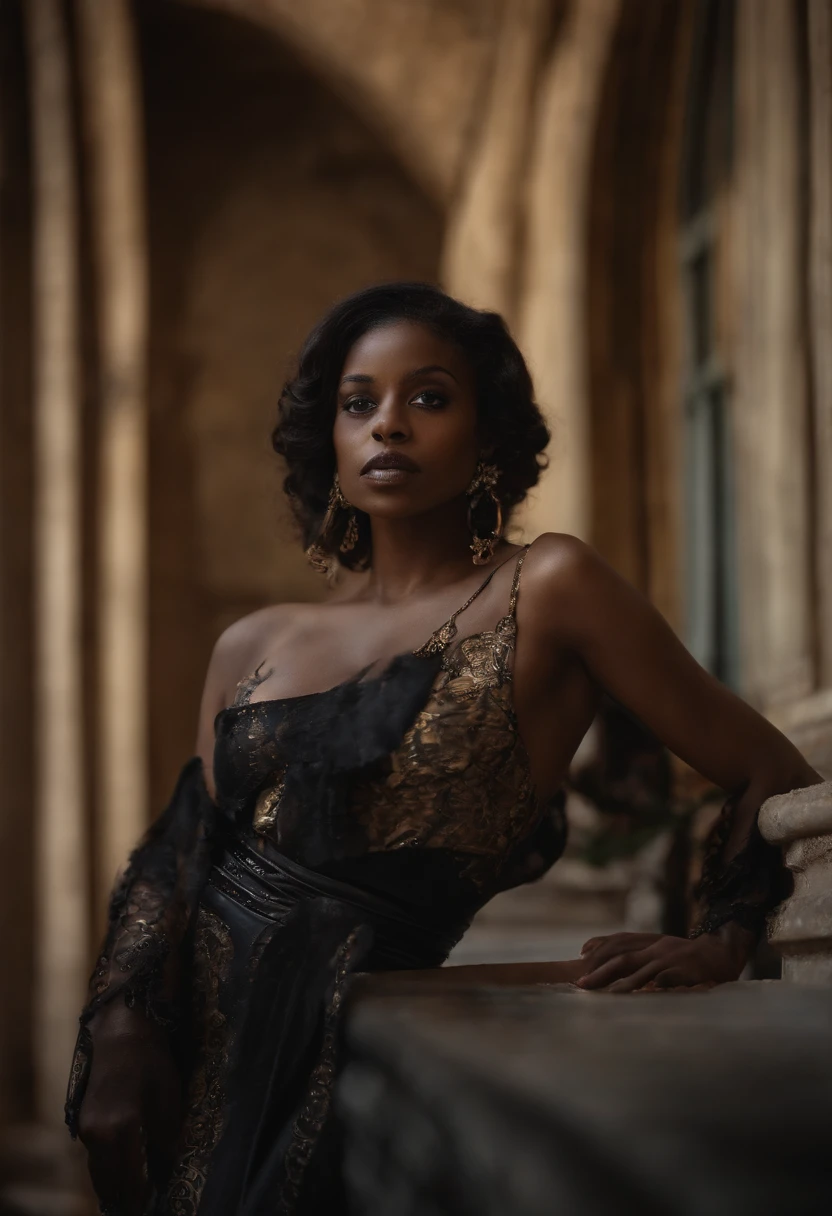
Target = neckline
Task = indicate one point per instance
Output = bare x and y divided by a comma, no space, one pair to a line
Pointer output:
423,651
353,679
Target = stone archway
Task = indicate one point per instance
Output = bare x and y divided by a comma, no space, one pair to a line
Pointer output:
413,71
268,199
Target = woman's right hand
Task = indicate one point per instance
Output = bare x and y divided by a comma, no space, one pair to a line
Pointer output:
131,1111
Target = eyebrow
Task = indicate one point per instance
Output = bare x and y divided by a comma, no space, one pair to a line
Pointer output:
361,378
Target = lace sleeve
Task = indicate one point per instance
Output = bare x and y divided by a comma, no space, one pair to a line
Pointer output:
743,876
150,909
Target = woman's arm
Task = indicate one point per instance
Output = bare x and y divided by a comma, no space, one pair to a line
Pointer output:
154,895
124,1090
124,1093
575,600
232,657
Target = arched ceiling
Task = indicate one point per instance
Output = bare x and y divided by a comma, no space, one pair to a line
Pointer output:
416,70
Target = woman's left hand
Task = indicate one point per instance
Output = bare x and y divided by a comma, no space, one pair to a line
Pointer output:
624,962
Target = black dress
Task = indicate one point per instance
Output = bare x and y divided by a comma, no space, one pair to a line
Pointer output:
358,828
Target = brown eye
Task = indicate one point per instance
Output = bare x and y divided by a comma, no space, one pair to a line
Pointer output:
358,405
431,399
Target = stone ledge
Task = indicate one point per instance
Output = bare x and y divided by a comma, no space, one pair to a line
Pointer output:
533,1101
800,930
798,814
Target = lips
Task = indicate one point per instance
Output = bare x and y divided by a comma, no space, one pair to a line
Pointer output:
390,461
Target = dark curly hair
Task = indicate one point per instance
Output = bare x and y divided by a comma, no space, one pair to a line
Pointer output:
511,421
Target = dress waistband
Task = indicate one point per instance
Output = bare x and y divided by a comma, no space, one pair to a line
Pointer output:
270,886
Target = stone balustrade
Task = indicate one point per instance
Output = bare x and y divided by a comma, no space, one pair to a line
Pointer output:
801,929
540,1100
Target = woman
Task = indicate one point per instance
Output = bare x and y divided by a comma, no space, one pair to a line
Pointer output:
371,770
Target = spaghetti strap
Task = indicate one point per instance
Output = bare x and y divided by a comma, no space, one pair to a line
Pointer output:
515,582
441,638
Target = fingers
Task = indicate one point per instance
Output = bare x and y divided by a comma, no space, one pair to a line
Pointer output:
616,968
630,983
116,1165
625,962
671,977
600,950
130,1120
675,977
616,946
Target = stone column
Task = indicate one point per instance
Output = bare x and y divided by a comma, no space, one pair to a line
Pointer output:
113,123
820,308
553,310
479,261
771,421
801,929
61,914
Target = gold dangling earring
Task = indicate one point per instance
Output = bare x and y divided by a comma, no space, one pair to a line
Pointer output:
351,535
485,479
318,554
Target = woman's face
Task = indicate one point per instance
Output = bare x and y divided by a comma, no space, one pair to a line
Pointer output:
405,435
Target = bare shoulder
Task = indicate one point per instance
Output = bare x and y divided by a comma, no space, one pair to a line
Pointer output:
557,554
563,580
241,646
236,653
557,561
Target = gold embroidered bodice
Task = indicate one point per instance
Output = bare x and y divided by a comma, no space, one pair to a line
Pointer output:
460,779
455,779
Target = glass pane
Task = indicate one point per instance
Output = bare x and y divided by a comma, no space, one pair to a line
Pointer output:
711,574
700,288
726,658
701,529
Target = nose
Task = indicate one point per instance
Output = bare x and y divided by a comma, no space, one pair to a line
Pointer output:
390,424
